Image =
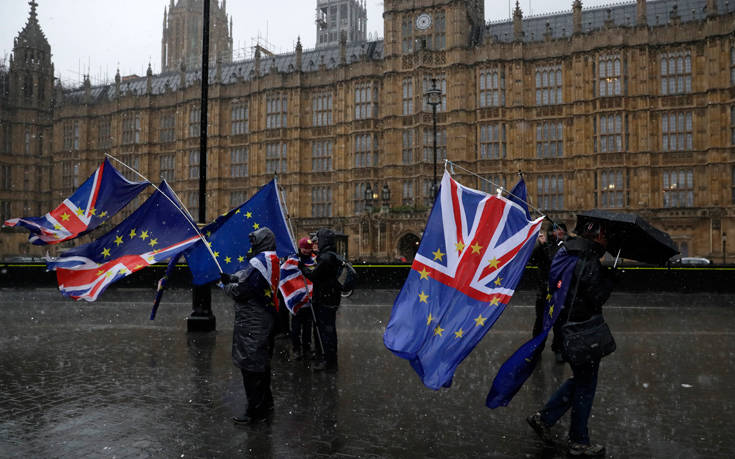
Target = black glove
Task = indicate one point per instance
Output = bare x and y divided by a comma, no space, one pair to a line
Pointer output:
225,278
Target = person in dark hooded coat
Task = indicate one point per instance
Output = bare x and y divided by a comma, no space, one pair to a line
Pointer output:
327,296
252,339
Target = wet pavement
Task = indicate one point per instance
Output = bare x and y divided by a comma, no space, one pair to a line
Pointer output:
101,380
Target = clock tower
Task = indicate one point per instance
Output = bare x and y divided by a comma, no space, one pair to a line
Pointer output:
414,25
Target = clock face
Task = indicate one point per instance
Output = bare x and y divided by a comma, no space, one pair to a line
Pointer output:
423,22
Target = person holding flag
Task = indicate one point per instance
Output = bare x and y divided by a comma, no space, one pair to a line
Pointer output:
254,289
297,293
589,288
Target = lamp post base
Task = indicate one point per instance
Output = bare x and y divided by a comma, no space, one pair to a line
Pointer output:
201,319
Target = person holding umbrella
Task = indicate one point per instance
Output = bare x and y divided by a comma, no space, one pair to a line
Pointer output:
590,287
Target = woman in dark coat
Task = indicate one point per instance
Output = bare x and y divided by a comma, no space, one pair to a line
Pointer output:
254,291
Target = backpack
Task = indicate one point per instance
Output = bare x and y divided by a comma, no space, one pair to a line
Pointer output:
346,275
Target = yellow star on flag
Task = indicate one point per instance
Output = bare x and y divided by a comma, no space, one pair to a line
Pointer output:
228,259
495,301
268,292
423,297
216,254
209,244
248,214
137,267
144,235
240,258
100,272
92,211
438,331
209,234
256,226
498,281
108,274
57,226
459,333
476,247
105,252
494,263
65,216
237,211
118,240
153,242
480,321
438,254
548,296
459,246
551,310
429,319
80,211
123,270
132,233
424,274
103,214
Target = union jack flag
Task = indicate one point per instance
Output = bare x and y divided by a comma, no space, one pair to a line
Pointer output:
100,197
470,260
267,265
295,287
156,231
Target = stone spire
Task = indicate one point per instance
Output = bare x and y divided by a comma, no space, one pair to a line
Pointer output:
149,79
299,54
517,24
641,19
577,16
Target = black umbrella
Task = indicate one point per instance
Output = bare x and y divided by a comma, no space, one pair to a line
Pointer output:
630,236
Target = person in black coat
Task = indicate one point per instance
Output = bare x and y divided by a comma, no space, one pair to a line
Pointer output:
327,296
252,337
589,288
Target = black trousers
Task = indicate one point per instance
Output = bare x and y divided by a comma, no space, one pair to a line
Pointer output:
326,317
301,325
258,392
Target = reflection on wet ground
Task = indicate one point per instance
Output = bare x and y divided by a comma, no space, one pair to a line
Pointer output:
101,379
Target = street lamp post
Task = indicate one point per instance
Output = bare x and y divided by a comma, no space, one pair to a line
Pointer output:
202,318
434,98
385,195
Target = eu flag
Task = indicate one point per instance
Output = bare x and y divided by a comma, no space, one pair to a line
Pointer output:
156,231
471,257
228,236
100,197
514,372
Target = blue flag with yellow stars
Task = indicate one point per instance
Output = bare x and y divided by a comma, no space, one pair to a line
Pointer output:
156,231
470,260
514,372
228,236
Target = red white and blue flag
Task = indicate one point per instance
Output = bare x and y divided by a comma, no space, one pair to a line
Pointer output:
470,260
267,264
100,197
296,289
156,231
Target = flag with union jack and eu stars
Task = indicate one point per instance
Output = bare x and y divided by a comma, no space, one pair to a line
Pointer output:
156,231
228,235
100,197
471,257
519,366
296,289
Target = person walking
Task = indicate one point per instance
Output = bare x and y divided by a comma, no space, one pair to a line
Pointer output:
327,296
301,322
254,290
590,287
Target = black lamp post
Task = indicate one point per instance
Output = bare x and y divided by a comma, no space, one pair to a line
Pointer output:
368,199
434,98
202,318
385,195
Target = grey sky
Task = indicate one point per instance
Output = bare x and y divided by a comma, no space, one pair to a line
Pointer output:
98,36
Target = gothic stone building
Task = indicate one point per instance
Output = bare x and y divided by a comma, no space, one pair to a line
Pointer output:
629,108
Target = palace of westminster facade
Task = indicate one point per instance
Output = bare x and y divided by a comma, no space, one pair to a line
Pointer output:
629,107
